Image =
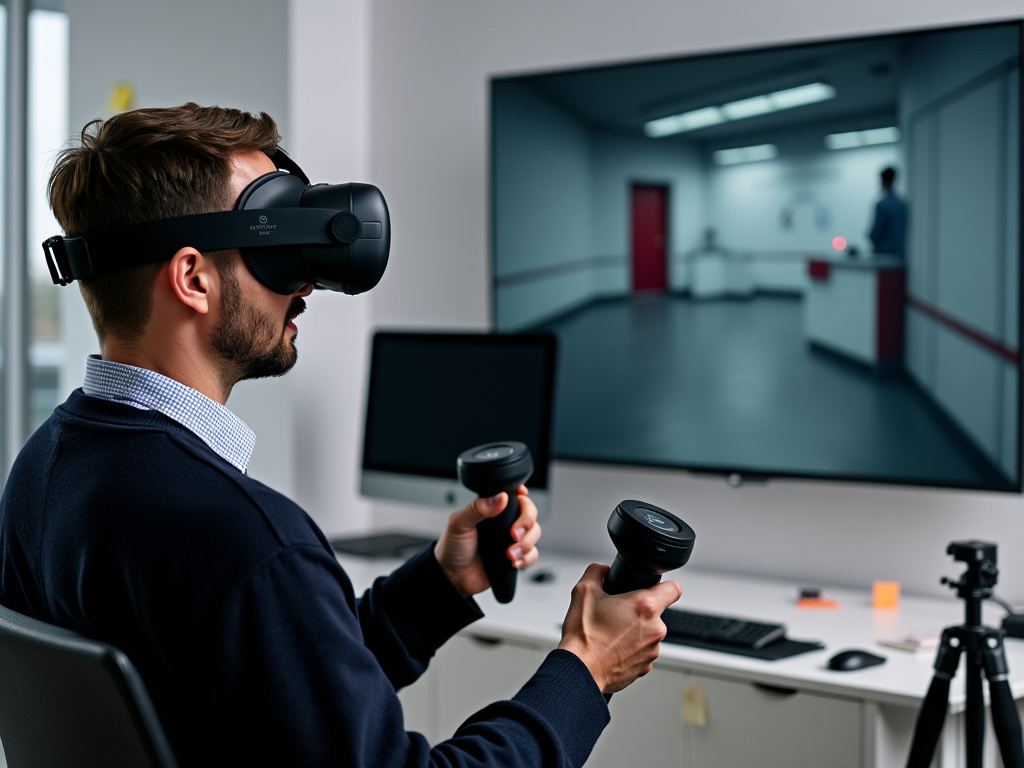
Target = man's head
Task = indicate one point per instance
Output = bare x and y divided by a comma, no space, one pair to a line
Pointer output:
888,177
146,165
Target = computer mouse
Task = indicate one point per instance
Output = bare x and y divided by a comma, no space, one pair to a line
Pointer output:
542,577
855,658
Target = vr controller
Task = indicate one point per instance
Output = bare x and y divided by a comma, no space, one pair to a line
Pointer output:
291,233
487,470
650,542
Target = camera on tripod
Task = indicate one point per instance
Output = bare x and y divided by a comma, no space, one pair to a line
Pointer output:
982,649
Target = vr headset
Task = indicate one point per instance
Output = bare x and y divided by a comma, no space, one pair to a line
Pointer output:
291,233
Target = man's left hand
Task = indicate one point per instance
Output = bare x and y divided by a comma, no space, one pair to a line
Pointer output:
457,550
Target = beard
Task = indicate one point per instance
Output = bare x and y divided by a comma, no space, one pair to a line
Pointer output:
250,340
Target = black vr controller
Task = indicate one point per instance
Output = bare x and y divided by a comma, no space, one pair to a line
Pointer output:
487,470
650,541
291,233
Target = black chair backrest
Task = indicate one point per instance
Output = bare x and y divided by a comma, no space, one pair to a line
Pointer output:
66,700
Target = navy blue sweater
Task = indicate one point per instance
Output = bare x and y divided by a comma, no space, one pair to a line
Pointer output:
122,525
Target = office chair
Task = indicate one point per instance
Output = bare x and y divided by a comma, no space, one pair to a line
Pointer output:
69,701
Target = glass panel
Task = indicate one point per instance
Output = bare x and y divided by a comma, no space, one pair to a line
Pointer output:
3,200
47,133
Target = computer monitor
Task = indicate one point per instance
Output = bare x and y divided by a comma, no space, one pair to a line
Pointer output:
433,395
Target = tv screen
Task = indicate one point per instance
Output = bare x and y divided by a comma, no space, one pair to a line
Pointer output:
798,261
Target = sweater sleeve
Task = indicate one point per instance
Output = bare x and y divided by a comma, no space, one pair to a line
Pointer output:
407,616
288,679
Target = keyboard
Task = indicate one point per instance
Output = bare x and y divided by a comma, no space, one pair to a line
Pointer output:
710,628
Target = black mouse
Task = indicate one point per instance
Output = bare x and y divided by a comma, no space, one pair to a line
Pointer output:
848,661
542,576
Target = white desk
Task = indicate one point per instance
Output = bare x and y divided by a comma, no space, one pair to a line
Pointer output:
876,707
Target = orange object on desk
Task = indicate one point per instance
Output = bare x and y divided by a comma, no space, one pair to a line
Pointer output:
885,595
816,603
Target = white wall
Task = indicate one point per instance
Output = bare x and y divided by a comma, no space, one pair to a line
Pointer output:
328,96
428,118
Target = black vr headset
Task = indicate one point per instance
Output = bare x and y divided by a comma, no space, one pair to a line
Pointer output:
291,233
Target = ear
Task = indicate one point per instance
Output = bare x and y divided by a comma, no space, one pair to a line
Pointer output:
192,276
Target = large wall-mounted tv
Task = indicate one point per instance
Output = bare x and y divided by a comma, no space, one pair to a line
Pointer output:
734,288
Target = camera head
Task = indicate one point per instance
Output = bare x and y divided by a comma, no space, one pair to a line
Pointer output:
981,574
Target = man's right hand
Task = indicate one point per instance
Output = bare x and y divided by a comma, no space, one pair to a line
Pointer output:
618,637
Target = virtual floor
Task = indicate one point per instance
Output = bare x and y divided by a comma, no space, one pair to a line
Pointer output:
671,381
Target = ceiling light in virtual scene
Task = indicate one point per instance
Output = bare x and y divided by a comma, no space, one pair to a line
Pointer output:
740,110
687,121
853,139
745,154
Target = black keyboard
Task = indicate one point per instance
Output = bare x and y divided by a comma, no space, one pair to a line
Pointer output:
709,628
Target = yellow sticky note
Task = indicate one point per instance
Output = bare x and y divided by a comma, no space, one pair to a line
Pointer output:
885,595
122,97
695,705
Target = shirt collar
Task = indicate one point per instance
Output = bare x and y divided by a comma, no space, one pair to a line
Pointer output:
226,434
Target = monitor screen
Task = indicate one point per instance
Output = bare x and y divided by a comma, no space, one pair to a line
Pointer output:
797,261
434,395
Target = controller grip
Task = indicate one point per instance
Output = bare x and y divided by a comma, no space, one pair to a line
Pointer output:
495,536
621,578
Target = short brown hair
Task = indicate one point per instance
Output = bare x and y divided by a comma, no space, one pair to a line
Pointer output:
146,165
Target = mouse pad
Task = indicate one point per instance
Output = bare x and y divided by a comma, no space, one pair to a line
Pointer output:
780,649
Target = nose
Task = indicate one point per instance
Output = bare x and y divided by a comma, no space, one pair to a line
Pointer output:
304,290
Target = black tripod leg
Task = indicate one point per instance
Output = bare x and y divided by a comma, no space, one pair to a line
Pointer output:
1005,720
932,715
974,713
1006,723
930,720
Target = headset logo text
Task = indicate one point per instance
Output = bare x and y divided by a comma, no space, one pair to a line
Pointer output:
263,228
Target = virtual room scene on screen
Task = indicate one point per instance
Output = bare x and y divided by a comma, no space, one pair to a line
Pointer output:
732,286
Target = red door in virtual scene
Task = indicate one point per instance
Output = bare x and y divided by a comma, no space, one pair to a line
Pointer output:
649,206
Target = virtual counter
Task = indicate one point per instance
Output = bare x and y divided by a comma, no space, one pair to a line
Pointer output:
854,308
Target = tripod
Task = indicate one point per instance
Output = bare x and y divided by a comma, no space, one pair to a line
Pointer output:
984,651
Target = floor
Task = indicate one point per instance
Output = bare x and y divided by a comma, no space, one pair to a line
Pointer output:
730,385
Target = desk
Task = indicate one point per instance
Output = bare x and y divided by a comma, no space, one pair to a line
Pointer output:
854,307
791,713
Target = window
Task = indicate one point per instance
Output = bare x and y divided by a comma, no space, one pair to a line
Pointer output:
30,323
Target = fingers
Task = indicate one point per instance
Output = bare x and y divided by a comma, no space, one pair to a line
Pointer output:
667,592
527,515
478,510
525,533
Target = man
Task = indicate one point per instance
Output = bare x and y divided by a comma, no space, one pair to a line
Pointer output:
129,517
889,230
